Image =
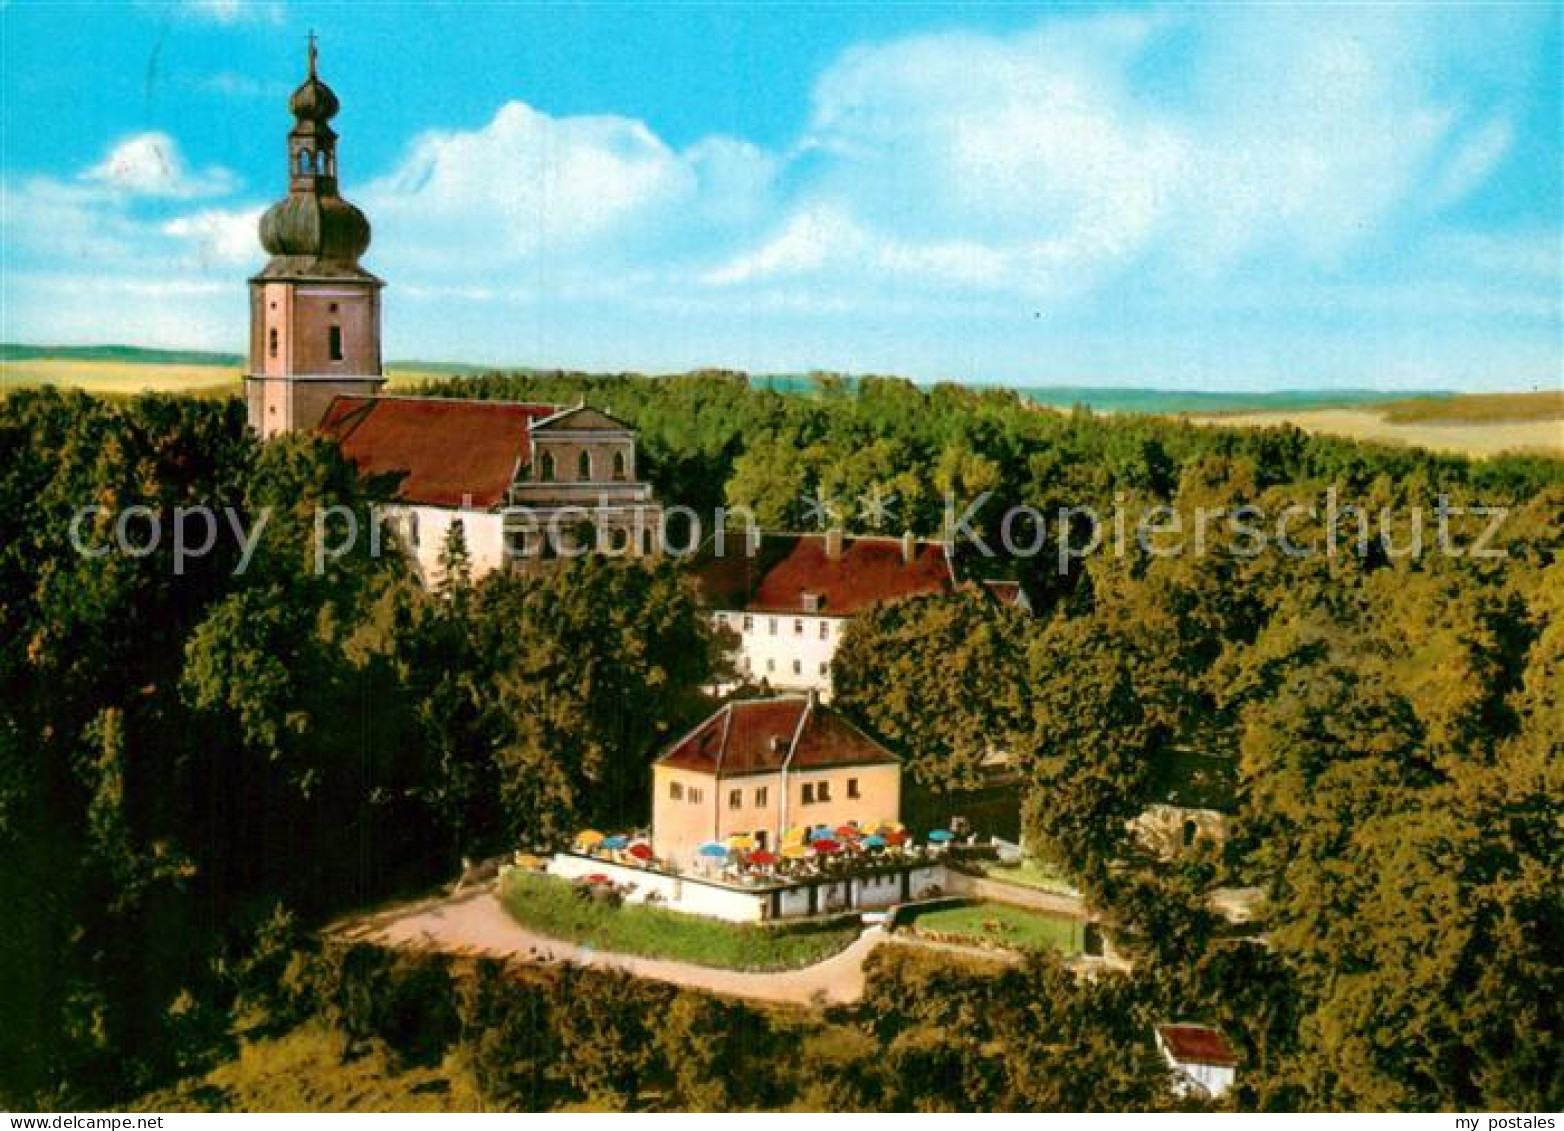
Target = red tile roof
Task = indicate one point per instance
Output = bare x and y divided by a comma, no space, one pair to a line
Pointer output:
443,452
760,735
1197,1044
1005,592
786,567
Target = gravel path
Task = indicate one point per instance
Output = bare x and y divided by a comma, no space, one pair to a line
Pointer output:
475,923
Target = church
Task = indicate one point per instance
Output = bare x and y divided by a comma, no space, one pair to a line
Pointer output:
521,483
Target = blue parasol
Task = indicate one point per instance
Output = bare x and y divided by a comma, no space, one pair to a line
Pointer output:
713,849
615,842
940,836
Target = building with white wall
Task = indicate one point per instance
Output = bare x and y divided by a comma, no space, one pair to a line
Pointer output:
787,598
759,767
1200,1058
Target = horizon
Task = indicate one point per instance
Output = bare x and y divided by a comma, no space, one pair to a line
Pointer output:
1229,201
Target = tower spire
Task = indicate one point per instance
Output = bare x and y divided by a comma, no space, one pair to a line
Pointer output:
313,52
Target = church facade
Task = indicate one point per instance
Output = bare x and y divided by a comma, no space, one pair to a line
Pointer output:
521,483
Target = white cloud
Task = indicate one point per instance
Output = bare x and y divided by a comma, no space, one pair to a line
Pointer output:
1474,158
525,181
233,11
218,237
149,164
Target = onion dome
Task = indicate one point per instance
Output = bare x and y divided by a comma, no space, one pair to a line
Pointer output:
314,101
315,225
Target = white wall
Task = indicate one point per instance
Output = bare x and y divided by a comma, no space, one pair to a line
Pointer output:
423,530
686,894
764,654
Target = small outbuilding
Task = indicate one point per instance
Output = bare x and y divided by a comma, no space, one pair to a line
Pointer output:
1202,1060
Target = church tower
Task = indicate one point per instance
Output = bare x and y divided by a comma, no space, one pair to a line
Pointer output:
314,312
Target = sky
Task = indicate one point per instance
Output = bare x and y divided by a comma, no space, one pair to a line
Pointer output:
1224,196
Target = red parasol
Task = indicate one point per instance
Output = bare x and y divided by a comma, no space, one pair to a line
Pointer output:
826,846
639,851
763,858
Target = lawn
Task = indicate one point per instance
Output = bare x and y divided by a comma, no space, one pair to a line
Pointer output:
553,907
1033,873
1000,924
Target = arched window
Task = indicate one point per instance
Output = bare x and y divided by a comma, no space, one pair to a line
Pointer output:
621,471
584,467
546,467
304,161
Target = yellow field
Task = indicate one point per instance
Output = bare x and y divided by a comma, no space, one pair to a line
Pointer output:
118,376
1447,432
128,377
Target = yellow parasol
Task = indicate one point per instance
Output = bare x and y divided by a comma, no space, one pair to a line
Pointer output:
741,842
795,835
796,851
589,838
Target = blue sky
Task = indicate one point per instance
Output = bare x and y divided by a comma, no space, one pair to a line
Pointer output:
1222,197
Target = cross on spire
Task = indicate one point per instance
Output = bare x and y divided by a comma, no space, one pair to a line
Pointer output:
312,52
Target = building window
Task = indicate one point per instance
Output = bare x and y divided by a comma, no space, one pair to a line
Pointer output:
760,798
772,625
825,630
823,791
412,529
621,468
675,791
546,467
271,341
735,799
335,343
695,795
584,467
749,623
332,308
798,667
825,669
809,794
852,788
798,626
771,664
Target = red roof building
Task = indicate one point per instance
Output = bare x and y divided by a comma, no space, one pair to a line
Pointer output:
437,451
1199,1056
786,597
759,767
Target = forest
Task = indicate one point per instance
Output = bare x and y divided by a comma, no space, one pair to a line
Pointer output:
198,767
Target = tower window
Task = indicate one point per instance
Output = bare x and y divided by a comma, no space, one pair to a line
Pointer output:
271,341
546,467
304,161
584,467
621,472
332,308
336,343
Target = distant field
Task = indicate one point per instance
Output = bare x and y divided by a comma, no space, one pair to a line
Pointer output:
113,377
1478,408
1477,426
